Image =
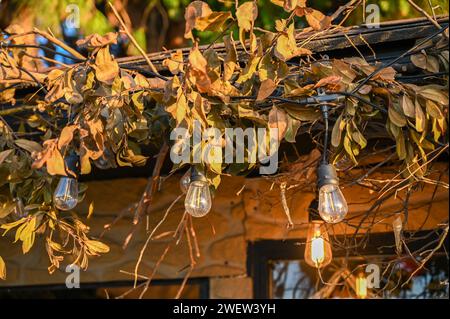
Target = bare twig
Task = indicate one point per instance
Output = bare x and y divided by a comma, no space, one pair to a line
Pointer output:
425,260
133,40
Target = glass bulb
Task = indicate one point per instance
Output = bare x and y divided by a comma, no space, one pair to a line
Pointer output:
198,199
65,196
318,248
361,286
185,181
332,204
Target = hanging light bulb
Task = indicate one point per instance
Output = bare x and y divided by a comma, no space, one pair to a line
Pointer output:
332,204
198,198
65,196
318,249
185,181
361,286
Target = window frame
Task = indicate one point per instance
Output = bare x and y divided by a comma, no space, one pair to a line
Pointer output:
261,252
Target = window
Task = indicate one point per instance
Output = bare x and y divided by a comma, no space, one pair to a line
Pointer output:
279,271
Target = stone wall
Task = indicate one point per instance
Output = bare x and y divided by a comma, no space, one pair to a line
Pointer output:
243,210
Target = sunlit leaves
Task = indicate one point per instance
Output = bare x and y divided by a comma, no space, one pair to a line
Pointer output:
96,247
198,72
51,157
266,88
106,68
95,40
246,15
175,62
317,20
420,117
198,15
230,60
286,46
278,120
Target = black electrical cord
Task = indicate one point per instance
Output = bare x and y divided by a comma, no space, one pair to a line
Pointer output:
385,65
324,109
421,76
144,71
43,48
363,100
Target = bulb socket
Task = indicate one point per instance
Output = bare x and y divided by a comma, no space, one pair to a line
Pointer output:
326,174
197,175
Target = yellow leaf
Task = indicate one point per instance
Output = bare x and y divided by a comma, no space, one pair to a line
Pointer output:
175,62
266,88
286,46
246,15
420,117
55,164
194,11
317,20
198,72
91,210
278,120
2,269
66,135
106,68
212,22
96,247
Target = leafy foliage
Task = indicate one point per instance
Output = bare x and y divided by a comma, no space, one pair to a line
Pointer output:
106,113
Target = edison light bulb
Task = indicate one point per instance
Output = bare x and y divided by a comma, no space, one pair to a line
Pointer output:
318,249
65,196
185,181
198,197
332,204
361,286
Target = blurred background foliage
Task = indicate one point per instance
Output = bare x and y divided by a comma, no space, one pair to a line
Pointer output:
159,24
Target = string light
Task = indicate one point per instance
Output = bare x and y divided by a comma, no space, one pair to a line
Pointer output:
332,204
65,196
361,286
318,249
198,198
